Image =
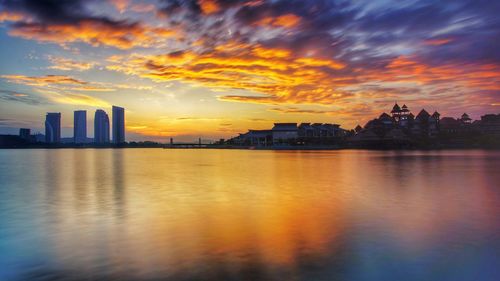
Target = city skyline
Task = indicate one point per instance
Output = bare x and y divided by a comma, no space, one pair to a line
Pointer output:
401,116
103,132
212,68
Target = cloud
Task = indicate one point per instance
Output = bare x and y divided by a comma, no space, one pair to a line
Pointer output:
120,5
122,35
278,74
296,110
76,99
438,41
10,16
60,82
65,22
208,6
60,63
8,95
288,21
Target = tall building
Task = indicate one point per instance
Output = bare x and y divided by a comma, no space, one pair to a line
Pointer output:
53,127
101,127
118,125
80,126
25,133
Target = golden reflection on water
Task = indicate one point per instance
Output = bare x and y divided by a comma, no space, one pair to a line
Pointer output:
153,212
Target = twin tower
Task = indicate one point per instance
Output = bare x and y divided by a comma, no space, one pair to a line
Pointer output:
101,126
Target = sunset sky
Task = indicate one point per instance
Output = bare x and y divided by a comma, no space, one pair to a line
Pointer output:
213,68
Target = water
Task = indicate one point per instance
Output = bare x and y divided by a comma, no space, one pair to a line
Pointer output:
153,214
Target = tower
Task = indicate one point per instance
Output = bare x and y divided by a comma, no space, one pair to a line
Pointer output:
53,127
101,127
404,116
118,125
396,113
80,126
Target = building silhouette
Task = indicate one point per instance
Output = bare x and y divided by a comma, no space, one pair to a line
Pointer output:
101,127
25,133
53,127
80,126
118,125
292,134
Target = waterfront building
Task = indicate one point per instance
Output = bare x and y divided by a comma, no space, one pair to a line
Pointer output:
465,119
401,126
53,127
284,133
449,125
396,112
118,124
305,130
80,126
255,138
101,127
25,134
490,124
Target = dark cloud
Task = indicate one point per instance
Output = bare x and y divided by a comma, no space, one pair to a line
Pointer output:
51,11
8,95
69,21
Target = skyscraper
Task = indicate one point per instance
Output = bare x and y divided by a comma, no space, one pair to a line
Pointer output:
118,125
25,133
101,127
53,127
80,126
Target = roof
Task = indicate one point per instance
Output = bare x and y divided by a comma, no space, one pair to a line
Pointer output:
395,108
465,116
423,114
405,108
448,122
259,131
384,115
254,133
435,114
373,123
285,127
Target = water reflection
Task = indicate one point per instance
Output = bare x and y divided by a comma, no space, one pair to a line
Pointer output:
137,214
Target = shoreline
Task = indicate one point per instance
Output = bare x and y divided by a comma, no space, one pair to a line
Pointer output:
276,148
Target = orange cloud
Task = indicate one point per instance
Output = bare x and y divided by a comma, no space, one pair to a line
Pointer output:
11,16
59,82
77,99
142,8
208,6
61,63
120,5
468,76
282,78
95,33
287,21
437,42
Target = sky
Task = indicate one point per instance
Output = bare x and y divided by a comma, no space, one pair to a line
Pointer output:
216,68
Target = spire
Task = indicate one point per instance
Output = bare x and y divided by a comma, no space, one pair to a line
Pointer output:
396,108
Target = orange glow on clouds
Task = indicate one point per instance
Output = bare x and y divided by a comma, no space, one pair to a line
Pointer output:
95,33
208,6
287,21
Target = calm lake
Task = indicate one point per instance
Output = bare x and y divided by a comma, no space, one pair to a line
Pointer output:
158,214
